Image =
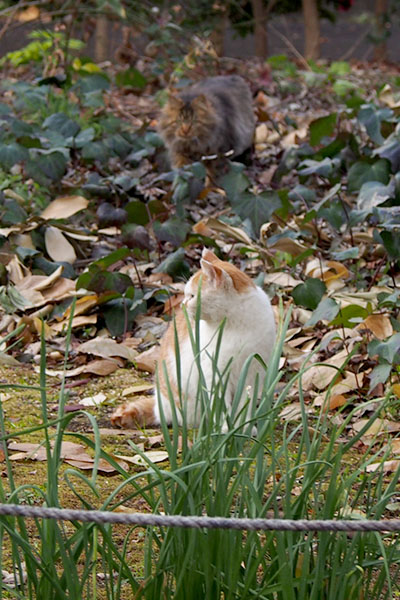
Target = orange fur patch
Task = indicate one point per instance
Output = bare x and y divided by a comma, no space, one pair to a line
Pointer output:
140,413
241,281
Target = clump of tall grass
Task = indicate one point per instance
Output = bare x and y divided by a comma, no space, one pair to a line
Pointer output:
288,470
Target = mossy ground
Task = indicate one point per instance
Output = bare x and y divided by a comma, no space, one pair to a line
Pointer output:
22,411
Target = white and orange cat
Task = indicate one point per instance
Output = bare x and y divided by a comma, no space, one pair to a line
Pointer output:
226,294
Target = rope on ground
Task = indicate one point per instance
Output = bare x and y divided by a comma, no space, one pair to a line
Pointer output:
145,520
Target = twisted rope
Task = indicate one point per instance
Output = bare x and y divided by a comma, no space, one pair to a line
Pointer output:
144,520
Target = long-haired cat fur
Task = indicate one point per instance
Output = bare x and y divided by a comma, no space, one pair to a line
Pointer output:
226,293
213,116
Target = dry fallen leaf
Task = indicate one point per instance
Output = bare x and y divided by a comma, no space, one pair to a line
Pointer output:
337,401
107,348
95,400
292,412
146,361
154,456
388,466
64,207
73,454
380,326
58,247
282,280
137,388
321,375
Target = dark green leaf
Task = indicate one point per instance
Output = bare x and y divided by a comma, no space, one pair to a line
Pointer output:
61,123
309,293
235,182
104,281
11,154
363,171
257,208
118,315
96,151
50,164
84,137
111,259
173,230
131,78
391,242
322,127
137,212
13,213
175,265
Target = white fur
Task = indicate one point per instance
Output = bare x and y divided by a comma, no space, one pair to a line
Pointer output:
249,328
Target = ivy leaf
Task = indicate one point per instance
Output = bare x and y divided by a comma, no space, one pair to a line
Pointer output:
303,194
257,208
61,123
47,165
350,316
173,230
309,293
391,151
131,78
84,137
391,242
118,313
96,151
372,117
11,154
326,310
364,170
235,182
379,374
175,265
373,193
386,350
93,83
325,167
322,127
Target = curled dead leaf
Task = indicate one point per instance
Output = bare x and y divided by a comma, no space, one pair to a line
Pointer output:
58,247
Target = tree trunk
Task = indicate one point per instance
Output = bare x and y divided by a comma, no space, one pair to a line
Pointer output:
101,39
260,16
380,50
311,29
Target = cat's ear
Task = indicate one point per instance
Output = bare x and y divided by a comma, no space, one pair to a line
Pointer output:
215,275
174,101
209,255
200,101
